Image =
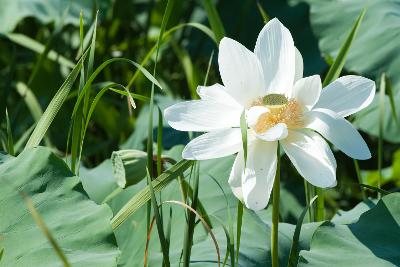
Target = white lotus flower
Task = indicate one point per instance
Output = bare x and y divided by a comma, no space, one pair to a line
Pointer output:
280,106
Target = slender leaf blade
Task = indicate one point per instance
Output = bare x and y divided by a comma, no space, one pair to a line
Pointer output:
338,64
54,107
143,196
294,250
214,19
159,222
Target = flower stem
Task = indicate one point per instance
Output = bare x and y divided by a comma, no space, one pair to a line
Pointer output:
310,193
358,172
320,211
275,213
238,229
381,121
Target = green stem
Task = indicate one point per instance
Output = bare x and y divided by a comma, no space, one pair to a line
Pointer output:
320,210
358,173
275,214
238,229
307,195
310,191
381,120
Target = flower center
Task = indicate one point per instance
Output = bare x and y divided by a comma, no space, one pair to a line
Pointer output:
281,110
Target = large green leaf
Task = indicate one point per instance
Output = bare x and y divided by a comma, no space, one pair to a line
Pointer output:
371,241
57,11
375,49
80,227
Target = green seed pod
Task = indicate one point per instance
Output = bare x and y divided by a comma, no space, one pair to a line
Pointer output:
129,166
274,100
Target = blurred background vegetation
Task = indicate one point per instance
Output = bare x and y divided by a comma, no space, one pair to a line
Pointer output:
39,43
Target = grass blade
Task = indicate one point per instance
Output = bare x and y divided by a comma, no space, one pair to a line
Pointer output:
143,196
53,107
189,229
214,19
164,22
77,121
104,65
189,193
159,222
202,221
338,64
262,11
30,100
294,250
134,96
207,31
189,69
229,233
159,141
33,105
92,47
379,190
10,142
389,91
39,48
208,68
92,108
22,140
90,62
146,250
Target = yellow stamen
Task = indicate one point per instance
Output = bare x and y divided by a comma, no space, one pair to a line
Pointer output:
289,113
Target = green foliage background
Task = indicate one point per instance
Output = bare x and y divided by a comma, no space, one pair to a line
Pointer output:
130,29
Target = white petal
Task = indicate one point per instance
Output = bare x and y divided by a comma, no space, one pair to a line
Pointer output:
347,95
235,178
240,71
275,133
307,91
217,93
215,144
339,132
254,113
312,157
275,50
202,116
298,72
258,179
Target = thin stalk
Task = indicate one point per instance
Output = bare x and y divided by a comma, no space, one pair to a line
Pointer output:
358,173
381,121
167,13
238,229
243,128
188,237
275,213
320,209
307,195
310,193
